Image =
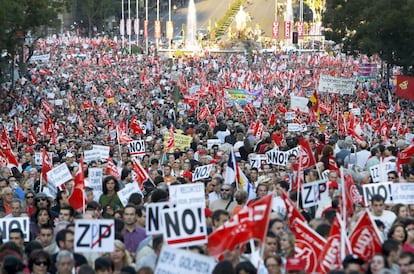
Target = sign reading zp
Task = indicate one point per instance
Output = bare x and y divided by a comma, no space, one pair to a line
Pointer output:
94,236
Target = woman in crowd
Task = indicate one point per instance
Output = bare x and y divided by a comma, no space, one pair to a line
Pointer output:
120,257
109,199
42,217
273,264
397,232
39,262
377,264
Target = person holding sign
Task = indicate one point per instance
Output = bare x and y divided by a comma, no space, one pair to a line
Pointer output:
109,199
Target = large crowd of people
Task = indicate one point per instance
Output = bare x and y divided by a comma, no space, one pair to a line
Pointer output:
79,92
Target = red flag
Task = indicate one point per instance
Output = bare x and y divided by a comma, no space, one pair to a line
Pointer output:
333,165
6,147
404,156
47,106
250,223
18,132
31,137
170,140
330,255
204,113
249,109
212,121
123,137
306,156
141,174
292,212
3,160
87,105
272,119
77,198
135,126
111,169
49,125
405,87
352,195
365,240
46,165
308,246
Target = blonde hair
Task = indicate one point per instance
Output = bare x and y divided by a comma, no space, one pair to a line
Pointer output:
126,260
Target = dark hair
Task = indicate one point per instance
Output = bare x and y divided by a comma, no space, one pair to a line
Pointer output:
217,213
17,230
37,254
61,236
70,208
140,209
39,210
106,180
125,173
135,198
86,269
223,267
247,266
390,245
59,195
377,198
104,263
32,246
159,195
131,206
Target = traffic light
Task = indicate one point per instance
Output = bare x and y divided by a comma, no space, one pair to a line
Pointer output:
295,37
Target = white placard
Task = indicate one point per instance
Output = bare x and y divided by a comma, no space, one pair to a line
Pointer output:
38,158
409,138
153,222
136,148
16,222
295,127
384,189
212,142
379,173
124,193
202,172
314,192
59,175
58,102
95,175
403,193
103,151
300,103
94,235
173,260
91,155
290,115
187,195
278,157
356,111
339,85
184,226
256,160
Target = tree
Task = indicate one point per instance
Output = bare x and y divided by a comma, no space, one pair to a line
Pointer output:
380,27
18,18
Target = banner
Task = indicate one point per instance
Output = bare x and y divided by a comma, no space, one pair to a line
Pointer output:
280,158
174,260
95,179
23,223
124,193
379,173
103,151
300,103
91,155
38,158
244,97
136,148
340,85
181,141
384,189
405,87
153,222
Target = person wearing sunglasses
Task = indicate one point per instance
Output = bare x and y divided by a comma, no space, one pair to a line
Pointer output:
225,201
39,262
28,203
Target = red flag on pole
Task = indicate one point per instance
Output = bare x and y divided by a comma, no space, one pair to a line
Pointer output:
77,197
365,240
6,147
292,211
250,223
170,140
308,246
330,255
123,137
31,137
111,169
46,165
140,172
47,106
135,126
404,156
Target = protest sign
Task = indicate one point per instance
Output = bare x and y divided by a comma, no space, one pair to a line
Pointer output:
212,142
257,160
91,155
339,85
314,192
38,158
180,141
403,193
103,151
202,172
23,223
136,148
384,189
94,235
379,173
124,193
173,260
59,175
188,194
153,222
290,115
184,226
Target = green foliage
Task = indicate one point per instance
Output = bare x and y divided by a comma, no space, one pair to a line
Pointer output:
380,27
224,23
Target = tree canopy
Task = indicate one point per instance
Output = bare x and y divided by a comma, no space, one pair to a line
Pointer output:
380,27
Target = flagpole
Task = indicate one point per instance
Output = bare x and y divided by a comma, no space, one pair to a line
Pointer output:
297,178
343,219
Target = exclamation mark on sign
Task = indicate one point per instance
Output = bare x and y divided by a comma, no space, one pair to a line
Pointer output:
200,215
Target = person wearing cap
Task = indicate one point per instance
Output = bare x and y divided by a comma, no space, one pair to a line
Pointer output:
352,263
70,160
